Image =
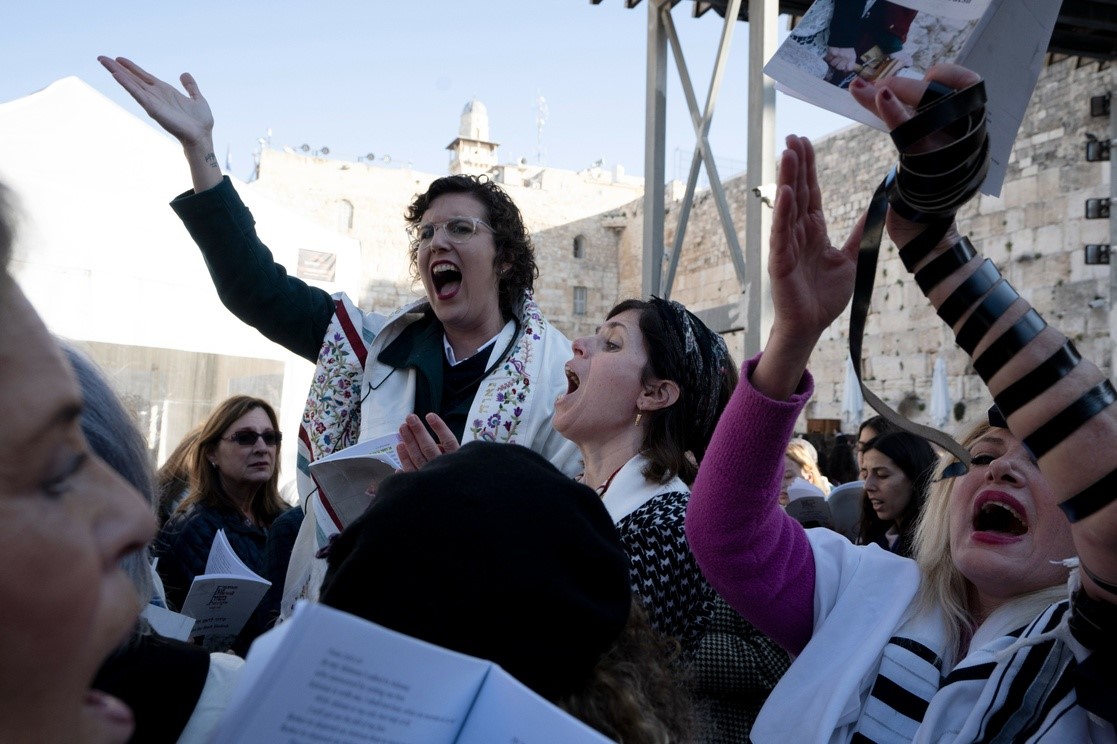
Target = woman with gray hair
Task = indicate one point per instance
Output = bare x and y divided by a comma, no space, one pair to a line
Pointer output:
176,690
67,522
112,434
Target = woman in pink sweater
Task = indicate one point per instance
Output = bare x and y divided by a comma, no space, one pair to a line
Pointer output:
976,637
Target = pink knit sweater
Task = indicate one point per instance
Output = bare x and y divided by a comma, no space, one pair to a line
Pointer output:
755,555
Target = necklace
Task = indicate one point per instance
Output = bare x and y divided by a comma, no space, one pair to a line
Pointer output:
581,477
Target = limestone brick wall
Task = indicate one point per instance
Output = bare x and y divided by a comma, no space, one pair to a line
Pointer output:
557,206
596,271
379,196
1034,231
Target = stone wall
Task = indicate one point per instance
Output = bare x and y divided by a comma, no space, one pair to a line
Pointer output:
1034,232
557,207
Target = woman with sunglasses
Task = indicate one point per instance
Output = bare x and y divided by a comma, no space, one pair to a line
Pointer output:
234,474
473,360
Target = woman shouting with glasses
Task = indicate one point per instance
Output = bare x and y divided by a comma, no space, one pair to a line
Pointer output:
473,360
234,474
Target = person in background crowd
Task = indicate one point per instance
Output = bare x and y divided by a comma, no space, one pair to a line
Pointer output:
870,429
234,474
897,473
801,461
841,463
173,477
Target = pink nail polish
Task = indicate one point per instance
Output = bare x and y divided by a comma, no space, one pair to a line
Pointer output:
886,94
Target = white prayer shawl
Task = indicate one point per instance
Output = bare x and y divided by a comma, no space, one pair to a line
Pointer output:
866,631
629,489
354,397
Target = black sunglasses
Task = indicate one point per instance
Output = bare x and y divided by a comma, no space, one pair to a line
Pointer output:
248,438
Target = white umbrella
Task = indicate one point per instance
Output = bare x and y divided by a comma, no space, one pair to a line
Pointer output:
852,400
940,395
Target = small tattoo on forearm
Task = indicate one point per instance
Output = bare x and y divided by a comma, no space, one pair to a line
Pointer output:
211,160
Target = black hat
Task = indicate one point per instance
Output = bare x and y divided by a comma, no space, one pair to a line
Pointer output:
493,552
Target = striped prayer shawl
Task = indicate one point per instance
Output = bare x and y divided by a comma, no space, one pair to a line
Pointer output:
1015,690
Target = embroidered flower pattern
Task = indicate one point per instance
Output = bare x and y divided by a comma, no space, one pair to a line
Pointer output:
330,420
510,394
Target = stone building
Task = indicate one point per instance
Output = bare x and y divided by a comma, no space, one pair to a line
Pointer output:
472,151
122,278
576,218
1034,231
588,232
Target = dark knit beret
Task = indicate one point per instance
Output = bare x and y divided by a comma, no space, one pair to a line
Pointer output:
493,552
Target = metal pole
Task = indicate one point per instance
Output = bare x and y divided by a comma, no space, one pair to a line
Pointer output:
1112,232
763,15
655,137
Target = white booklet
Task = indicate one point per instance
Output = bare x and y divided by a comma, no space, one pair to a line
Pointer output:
325,675
223,598
1003,40
347,479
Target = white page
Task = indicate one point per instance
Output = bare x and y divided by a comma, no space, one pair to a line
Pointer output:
508,712
224,560
798,67
260,655
335,677
167,623
1003,40
345,477
221,605
1008,49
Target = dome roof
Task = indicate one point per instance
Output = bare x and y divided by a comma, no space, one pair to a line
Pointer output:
475,107
475,121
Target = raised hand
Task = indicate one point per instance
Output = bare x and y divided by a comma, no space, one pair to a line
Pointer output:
186,117
417,447
812,280
893,101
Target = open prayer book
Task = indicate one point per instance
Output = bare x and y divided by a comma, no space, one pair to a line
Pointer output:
223,598
347,478
325,675
1002,40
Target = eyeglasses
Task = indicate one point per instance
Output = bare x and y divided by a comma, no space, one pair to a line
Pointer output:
458,230
248,438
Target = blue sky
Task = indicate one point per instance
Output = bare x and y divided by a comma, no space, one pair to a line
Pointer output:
391,77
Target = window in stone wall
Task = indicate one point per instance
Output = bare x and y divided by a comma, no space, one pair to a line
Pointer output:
580,300
316,266
344,215
579,246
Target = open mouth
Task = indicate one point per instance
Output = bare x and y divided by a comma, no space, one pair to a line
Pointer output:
446,278
572,381
999,515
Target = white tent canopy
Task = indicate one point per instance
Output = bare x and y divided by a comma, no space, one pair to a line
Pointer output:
102,256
